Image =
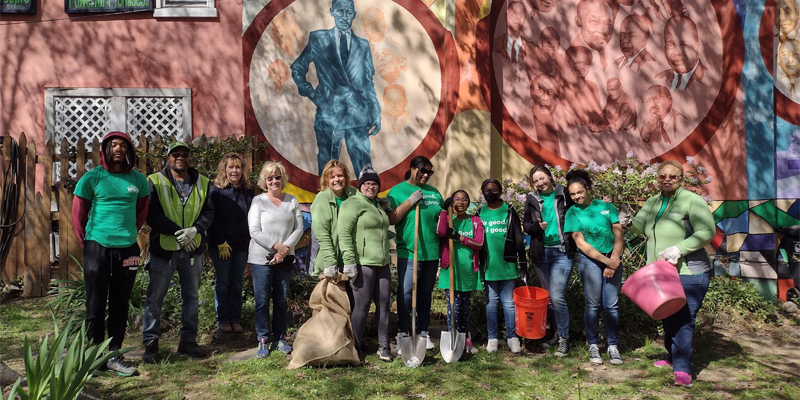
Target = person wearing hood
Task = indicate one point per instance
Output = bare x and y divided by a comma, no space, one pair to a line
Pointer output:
179,215
108,209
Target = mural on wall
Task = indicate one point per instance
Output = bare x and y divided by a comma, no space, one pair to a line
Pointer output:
340,82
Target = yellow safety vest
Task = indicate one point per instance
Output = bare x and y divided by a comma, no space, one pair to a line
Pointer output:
175,210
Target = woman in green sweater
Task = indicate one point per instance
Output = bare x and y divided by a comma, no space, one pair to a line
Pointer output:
364,241
678,225
334,186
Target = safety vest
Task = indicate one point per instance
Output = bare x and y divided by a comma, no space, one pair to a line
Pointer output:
183,215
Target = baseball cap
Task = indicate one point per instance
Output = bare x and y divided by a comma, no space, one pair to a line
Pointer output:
175,145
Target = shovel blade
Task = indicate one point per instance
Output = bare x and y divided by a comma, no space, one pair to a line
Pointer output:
412,351
452,346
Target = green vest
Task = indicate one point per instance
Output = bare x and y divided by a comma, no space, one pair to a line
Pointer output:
183,215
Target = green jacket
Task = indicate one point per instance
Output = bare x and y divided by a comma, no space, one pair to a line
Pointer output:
687,223
363,232
324,217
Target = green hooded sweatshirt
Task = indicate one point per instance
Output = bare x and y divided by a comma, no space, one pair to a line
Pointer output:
363,232
324,217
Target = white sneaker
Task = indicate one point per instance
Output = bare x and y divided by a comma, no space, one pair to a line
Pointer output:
400,335
594,355
513,345
491,346
428,344
614,356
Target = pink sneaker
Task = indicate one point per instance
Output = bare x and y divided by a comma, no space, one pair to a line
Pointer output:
662,364
683,379
470,348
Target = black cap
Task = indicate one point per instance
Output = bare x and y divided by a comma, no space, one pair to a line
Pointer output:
368,174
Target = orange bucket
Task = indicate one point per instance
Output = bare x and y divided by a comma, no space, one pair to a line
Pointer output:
531,311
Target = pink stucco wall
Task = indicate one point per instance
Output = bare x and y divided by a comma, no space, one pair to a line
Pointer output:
122,51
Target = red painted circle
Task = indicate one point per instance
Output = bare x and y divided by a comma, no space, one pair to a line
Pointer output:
433,140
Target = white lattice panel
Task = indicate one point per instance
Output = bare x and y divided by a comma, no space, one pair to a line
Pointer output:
76,117
155,116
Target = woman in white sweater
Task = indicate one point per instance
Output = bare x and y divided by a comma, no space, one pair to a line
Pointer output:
275,224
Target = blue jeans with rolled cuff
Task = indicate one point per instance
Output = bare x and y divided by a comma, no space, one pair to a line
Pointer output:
500,293
600,292
553,271
270,283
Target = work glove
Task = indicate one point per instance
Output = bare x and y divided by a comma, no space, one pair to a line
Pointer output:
523,271
671,255
190,247
329,272
350,270
624,219
448,202
185,236
415,197
384,204
224,251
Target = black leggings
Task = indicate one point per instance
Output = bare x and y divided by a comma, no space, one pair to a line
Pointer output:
371,284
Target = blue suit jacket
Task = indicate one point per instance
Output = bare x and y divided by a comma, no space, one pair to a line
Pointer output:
345,97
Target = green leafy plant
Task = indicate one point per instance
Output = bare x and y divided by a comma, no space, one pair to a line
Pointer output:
727,294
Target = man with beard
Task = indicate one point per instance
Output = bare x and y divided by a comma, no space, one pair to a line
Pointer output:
582,95
633,35
789,61
511,45
179,215
108,209
663,124
619,113
595,20
682,49
545,95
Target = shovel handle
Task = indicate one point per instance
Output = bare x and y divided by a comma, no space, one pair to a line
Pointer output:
414,270
452,264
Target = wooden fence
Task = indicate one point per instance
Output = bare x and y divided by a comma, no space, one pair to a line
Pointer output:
28,256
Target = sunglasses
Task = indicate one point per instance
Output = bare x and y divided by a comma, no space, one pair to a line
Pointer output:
274,178
671,177
424,171
179,154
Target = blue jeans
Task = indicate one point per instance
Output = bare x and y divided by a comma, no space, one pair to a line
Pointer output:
426,279
228,275
500,292
553,271
461,303
270,282
599,291
161,270
679,327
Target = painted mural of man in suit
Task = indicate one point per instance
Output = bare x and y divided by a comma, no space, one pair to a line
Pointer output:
633,35
682,48
619,114
595,20
663,124
347,106
786,17
511,45
789,61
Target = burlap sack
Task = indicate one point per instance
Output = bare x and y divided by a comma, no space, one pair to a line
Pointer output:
327,337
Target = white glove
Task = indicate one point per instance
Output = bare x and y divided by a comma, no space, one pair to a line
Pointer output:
185,236
350,270
415,197
671,255
329,272
624,219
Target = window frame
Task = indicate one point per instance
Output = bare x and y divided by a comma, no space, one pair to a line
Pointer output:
161,10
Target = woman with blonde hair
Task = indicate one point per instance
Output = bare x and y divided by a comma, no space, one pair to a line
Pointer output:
334,186
231,197
276,224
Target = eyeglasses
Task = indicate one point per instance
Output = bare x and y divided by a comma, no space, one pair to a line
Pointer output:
424,171
460,199
179,154
370,184
671,177
274,178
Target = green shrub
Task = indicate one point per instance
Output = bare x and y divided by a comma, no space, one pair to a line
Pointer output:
727,295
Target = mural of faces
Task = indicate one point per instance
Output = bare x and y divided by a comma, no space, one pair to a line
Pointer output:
287,34
390,60
394,100
374,25
658,101
343,12
594,20
614,89
633,34
544,92
544,6
550,41
516,18
786,16
579,59
681,44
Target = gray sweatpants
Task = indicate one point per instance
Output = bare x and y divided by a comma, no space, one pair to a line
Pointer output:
371,284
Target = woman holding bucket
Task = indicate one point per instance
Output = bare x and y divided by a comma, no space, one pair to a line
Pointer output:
678,225
594,225
551,251
504,262
467,235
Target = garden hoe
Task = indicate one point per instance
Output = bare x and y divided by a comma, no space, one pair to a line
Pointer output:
452,342
412,348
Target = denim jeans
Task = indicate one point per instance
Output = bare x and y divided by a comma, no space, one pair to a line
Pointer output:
426,279
679,327
500,292
599,291
161,270
461,303
228,275
553,271
270,282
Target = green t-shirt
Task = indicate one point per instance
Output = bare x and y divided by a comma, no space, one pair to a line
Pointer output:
466,278
430,206
551,237
112,217
594,221
494,227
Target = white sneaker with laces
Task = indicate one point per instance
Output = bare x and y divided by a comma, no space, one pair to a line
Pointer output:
428,343
400,336
491,346
513,345
594,355
614,356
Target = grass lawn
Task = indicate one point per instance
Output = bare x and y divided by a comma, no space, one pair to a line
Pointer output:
732,361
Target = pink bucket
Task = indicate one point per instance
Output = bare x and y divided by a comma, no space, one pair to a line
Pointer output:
656,289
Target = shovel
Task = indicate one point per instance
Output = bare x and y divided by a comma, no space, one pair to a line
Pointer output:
412,348
452,342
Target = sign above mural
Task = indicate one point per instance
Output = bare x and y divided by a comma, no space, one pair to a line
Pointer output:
18,7
105,6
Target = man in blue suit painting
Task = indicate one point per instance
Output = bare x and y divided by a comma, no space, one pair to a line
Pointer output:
347,107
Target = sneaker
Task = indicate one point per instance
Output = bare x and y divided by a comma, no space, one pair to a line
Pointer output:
491,346
150,352
384,354
553,342
662,364
263,349
683,379
400,336
563,347
513,345
594,355
191,349
428,344
470,348
237,328
282,346
225,328
613,355
121,367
